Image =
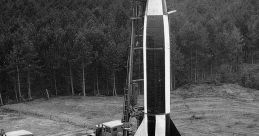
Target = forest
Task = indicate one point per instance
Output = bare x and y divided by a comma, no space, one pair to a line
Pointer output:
80,47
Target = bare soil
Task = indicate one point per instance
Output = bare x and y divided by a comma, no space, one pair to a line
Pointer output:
197,110
11,121
210,110
75,110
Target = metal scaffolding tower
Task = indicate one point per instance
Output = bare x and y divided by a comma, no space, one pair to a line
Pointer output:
134,64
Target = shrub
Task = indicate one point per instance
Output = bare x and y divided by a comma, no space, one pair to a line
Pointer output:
250,76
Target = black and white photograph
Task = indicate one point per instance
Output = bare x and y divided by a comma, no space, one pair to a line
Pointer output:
129,68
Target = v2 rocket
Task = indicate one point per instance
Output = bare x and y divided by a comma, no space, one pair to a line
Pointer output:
156,58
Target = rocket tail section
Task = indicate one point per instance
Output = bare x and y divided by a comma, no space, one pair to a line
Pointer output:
173,130
159,125
142,129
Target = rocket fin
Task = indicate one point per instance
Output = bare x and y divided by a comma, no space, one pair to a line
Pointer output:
173,129
142,129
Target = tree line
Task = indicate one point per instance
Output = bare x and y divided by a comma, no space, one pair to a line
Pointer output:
68,47
79,47
215,41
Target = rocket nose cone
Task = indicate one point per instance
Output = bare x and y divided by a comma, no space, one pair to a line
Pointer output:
156,7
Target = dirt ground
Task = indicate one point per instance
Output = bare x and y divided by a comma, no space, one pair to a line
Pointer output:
209,110
197,110
80,111
11,121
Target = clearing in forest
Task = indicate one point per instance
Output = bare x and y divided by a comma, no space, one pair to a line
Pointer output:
197,110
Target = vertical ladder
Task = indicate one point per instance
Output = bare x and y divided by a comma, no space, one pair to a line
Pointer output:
136,35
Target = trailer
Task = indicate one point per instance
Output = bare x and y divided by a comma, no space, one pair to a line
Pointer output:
111,128
18,133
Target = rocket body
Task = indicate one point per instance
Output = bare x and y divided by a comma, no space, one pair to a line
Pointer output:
156,58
